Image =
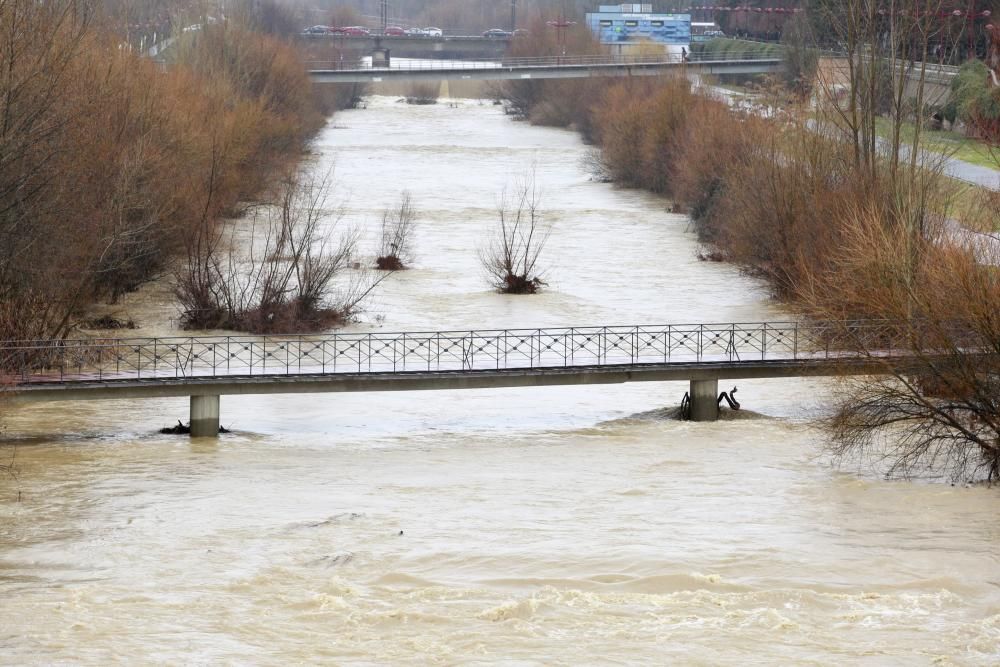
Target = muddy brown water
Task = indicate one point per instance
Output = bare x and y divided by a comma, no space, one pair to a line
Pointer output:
562,525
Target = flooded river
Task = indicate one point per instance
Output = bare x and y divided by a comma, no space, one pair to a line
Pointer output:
563,525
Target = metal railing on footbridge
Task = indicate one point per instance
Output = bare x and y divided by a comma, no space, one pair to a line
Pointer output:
102,359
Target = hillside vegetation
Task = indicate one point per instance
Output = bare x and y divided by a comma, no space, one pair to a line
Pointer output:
844,227
108,160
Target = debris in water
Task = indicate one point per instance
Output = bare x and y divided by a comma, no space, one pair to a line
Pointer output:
185,429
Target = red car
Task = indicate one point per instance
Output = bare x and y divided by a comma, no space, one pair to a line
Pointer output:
394,31
355,31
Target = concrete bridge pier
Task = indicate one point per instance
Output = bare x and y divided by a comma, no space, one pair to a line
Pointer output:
205,416
704,400
380,57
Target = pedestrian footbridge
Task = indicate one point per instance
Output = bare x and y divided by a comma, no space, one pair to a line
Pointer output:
205,368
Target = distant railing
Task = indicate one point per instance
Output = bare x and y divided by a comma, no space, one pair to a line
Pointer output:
546,61
374,33
441,351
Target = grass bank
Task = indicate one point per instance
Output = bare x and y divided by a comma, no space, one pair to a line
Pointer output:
952,144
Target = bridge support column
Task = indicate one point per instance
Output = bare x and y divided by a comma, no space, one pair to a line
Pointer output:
380,57
205,416
704,400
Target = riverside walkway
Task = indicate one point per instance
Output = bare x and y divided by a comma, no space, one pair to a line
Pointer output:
206,368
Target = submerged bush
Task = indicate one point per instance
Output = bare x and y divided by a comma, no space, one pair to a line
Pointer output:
511,257
396,238
291,275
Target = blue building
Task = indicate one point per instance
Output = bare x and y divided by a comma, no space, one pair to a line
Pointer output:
636,23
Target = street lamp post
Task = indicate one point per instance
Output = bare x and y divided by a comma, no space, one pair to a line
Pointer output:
561,26
971,55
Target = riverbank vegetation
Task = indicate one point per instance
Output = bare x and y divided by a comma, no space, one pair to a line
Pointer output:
821,199
553,102
284,267
110,163
975,101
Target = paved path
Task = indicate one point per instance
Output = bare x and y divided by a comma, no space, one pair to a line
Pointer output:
975,174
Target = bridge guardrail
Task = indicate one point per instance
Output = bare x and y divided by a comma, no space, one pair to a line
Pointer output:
442,351
375,34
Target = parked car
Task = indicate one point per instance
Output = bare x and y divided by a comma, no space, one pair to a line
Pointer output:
433,32
315,30
414,32
355,31
520,32
496,33
394,31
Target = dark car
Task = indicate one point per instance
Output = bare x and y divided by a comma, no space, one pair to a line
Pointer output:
496,33
394,31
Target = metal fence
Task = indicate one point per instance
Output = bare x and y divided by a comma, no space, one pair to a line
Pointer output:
442,351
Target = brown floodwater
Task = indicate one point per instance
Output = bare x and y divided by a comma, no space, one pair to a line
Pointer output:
561,525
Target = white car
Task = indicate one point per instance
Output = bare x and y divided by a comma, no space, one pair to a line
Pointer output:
433,32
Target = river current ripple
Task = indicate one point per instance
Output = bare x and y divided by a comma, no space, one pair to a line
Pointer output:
564,525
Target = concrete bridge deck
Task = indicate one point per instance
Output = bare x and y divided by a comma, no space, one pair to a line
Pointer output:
206,368
83,388
568,67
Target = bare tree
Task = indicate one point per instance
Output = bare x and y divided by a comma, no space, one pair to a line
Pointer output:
395,242
511,255
887,57
936,406
106,161
281,272
898,259
40,44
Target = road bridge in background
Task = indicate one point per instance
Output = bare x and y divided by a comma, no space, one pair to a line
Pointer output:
205,368
555,67
415,46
